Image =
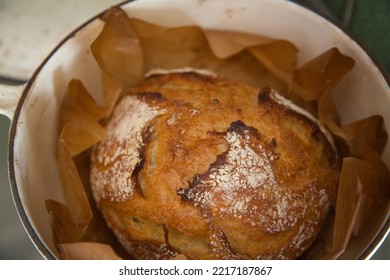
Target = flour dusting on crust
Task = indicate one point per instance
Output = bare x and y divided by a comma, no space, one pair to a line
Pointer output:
162,71
242,185
119,153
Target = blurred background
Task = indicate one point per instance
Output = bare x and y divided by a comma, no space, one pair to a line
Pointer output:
30,29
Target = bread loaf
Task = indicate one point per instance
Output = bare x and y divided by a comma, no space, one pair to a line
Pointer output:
204,166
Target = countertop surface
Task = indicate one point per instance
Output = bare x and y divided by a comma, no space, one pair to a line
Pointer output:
30,29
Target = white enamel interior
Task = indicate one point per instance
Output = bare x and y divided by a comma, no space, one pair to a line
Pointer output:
36,173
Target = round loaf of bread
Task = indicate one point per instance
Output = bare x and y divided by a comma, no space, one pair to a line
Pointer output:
200,165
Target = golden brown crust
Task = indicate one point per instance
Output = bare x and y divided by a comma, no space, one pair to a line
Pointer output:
214,169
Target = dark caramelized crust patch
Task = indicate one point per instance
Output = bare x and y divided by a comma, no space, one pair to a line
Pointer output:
151,97
264,95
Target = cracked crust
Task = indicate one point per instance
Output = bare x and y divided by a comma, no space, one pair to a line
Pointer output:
213,169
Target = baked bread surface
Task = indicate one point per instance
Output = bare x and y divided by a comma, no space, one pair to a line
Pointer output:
210,168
